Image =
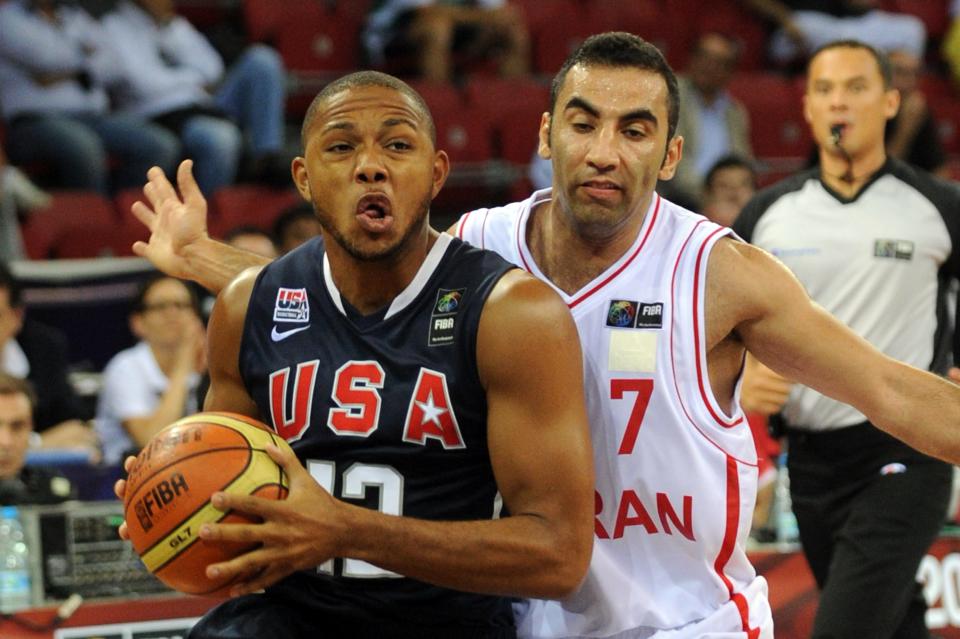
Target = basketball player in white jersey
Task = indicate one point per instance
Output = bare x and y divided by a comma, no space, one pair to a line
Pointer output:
666,303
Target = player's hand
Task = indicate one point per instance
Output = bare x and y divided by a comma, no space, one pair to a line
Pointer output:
299,532
174,223
954,374
120,490
762,391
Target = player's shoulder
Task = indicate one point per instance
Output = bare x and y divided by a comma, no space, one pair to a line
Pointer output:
488,225
764,199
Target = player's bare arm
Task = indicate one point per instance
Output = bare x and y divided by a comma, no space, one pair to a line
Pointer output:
179,244
768,309
530,363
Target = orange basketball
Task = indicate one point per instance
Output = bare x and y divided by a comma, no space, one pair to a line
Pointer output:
169,488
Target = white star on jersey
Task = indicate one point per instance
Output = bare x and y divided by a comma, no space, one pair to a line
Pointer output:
431,412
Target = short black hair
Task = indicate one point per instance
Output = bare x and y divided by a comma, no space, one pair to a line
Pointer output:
621,49
139,299
729,162
883,62
11,284
367,79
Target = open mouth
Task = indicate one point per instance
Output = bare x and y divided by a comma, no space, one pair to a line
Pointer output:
374,206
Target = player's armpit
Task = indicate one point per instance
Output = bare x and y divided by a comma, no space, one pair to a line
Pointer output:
797,338
225,330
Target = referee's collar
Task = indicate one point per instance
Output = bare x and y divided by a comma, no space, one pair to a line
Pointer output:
885,168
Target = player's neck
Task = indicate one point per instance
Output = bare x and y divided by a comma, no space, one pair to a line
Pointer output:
572,256
369,285
847,178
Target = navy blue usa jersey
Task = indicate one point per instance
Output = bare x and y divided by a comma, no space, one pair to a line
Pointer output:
385,411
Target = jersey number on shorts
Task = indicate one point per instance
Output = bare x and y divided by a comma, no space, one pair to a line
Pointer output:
356,479
644,389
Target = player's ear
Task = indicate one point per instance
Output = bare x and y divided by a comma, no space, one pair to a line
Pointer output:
671,158
299,169
543,148
441,169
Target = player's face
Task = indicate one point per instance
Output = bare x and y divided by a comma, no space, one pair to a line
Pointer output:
370,170
845,88
16,424
168,312
607,139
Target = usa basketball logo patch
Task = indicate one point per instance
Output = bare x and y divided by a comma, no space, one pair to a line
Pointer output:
292,306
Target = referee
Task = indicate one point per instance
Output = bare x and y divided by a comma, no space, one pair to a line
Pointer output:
874,241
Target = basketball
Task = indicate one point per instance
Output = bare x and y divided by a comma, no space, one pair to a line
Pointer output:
168,493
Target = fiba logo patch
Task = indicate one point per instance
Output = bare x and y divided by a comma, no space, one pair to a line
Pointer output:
650,315
444,316
622,314
291,306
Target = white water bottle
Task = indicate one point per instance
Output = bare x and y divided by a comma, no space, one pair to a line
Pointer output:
14,562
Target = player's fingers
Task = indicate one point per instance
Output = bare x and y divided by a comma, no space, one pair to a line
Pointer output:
249,504
954,374
188,185
144,214
140,248
128,463
161,189
120,488
288,461
122,531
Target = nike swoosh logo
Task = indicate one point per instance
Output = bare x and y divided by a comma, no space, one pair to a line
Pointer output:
278,336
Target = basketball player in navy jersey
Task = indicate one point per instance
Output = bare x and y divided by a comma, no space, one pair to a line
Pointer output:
418,380
611,135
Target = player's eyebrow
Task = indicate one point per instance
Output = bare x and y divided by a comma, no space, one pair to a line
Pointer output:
630,116
390,122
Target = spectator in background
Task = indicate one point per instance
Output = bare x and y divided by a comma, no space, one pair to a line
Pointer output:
802,26
434,29
729,185
295,226
150,385
174,76
19,483
17,193
38,353
950,48
250,238
911,136
56,66
712,122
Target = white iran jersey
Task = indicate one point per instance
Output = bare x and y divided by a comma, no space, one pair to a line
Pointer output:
676,474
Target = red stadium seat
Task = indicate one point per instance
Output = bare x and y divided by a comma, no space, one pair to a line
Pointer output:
463,131
67,210
732,19
777,126
317,39
93,240
513,107
249,204
946,111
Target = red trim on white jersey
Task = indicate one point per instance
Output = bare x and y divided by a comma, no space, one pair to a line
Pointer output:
721,419
729,543
483,229
463,223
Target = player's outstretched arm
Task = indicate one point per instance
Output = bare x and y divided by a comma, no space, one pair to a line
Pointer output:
530,364
179,244
797,338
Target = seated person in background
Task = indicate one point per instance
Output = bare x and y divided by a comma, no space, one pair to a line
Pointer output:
712,122
729,185
803,26
295,226
56,67
481,29
174,76
911,135
38,353
17,193
21,484
154,383
250,238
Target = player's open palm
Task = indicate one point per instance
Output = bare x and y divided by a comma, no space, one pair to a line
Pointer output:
300,532
175,221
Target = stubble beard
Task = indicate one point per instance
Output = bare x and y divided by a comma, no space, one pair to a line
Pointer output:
359,253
